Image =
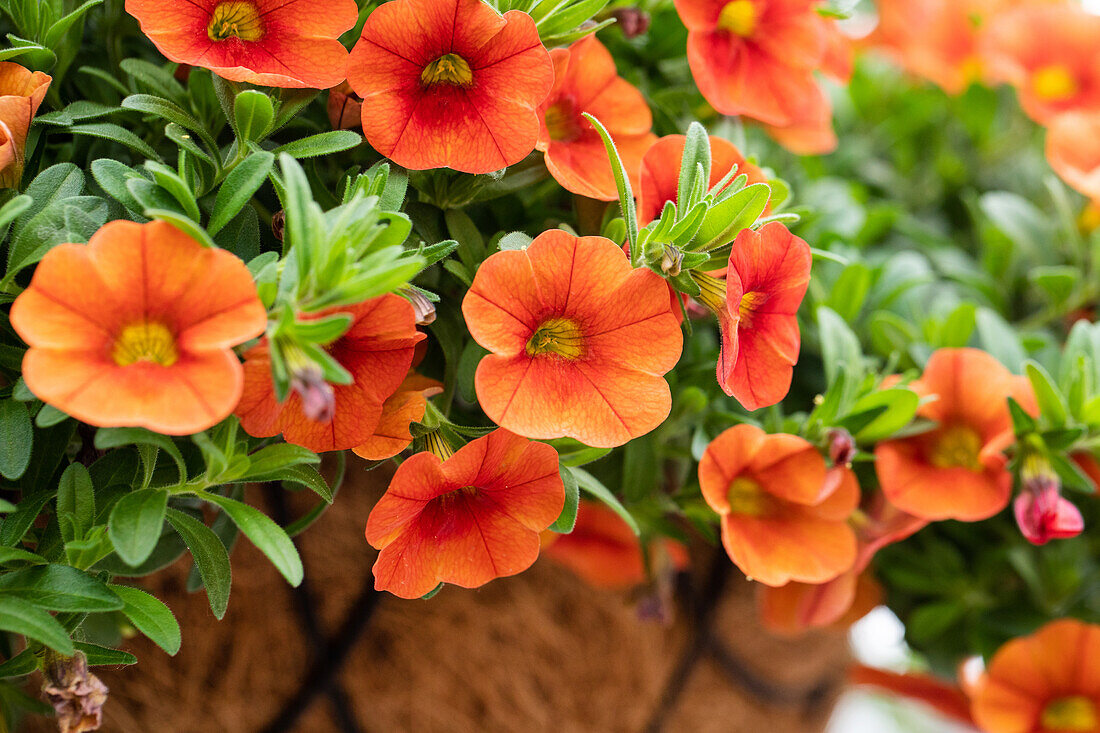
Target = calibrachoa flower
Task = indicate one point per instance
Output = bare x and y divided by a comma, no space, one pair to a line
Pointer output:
755,57
450,84
580,341
1049,55
1073,150
404,407
268,42
958,470
377,350
585,80
781,519
935,39
21,93
660,174
1042,513
345,109
811,132
769,272
468,519
604,551
137,328
1048,682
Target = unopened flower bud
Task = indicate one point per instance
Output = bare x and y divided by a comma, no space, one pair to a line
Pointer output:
318,397
633,21
75,693
672,261
1042,513
278,224
422,307
345,108
842,447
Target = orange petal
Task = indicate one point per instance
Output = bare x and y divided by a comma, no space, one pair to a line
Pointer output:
795,608
793,546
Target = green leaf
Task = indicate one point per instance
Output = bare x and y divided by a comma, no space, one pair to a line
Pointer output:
568,519
51,186
326,143
49,416
21,664
300,474
999,339
1052,405
16,524
135,524
75,502
840,347
107,438
118,134
239,187
101,656
850,291
900,407
16,439
622,184
268,536
15,555
725,220
168,111
60,588
151,617
254,114
210,556
592,485
73,220
20,617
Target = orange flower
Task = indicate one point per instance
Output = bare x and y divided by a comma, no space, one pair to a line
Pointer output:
958,470
604,551
137,328
1048,682
795,608
660,175
1049,55
580,341
404,407
944,697
377,350
781,519
21,93
465,520
769,272
1073,150
345,109
755,57
811,132
268,42
450,83
585,80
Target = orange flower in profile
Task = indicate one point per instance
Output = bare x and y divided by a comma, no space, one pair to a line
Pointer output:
958,470
1073,150
605,553
465,520
580,341
660,175
404,407
1049,55
377,350
781,519
137,329
767,278
1044,683
585,80
21,93
450,84
267,42
755,57
345,109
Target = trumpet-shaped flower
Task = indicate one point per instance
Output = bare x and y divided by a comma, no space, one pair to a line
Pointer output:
450,83
21,93
1044,683
755,57
1073,150
767,278
276,43
377,350
660,174
137,328
958,470
781,519
580,341
585,80
465,520
404,407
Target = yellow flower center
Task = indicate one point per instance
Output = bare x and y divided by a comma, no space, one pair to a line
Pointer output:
1075,713
1054,83
145,341
738,17
750,302
235,19
972,69
957,447
559,337
746,496
561,121
448,69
